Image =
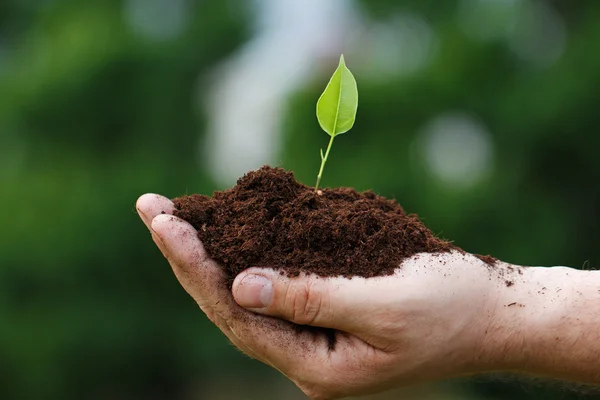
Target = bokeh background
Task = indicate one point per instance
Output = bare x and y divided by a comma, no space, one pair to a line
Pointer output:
480,115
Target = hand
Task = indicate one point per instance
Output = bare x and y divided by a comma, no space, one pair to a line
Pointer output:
428,321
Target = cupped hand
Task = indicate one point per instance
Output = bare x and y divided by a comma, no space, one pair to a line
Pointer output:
432,319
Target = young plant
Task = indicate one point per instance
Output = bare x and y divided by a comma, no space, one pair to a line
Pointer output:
336,108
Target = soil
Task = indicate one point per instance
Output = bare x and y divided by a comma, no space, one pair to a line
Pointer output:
270,220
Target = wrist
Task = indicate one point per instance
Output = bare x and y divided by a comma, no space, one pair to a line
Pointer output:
542,320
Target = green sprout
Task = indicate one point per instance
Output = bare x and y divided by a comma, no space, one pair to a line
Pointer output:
336,108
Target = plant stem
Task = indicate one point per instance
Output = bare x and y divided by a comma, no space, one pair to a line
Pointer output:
323,161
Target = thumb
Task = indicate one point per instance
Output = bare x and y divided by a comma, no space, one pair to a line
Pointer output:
304,300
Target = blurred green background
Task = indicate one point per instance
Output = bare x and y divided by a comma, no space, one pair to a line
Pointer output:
480,115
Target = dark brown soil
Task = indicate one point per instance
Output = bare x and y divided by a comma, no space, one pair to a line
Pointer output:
489,260
270,220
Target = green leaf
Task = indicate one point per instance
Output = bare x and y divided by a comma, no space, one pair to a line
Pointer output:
336,108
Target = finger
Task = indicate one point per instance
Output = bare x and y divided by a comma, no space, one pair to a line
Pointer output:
339,303
150,205
191,264
275,340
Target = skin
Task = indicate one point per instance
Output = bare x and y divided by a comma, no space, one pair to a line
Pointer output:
438,316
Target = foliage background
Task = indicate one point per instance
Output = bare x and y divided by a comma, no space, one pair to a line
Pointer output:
95,111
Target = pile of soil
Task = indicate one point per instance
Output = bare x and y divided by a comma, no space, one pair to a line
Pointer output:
271,220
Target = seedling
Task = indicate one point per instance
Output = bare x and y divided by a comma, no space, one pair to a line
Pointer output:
336,108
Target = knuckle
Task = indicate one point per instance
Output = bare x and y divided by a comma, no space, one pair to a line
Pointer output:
306,299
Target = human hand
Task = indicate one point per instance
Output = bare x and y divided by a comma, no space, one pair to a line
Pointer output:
428,321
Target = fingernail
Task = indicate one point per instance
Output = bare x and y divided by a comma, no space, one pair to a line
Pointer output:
254,291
